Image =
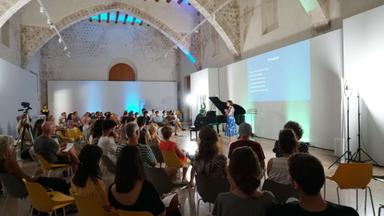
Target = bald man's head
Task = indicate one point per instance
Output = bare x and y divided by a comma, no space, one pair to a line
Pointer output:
48,128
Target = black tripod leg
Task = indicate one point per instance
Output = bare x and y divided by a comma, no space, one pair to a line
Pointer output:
369,157
339,158
354,156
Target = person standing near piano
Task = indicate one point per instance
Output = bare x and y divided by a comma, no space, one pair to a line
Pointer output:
230,129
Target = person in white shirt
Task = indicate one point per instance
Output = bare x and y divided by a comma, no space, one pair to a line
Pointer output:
107,141
277,168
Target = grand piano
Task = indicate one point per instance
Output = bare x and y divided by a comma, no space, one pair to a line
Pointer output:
214,119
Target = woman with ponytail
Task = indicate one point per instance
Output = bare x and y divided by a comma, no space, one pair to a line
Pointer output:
244,176
87,180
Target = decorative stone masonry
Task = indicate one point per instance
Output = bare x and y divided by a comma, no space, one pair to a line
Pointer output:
226,21
33,37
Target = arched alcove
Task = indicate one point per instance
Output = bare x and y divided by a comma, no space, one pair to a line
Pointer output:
122,72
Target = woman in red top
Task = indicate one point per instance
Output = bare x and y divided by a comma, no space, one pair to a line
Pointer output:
168,145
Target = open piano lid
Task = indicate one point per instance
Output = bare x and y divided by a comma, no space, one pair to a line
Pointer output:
239,110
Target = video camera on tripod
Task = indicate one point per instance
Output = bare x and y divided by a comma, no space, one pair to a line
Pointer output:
24,128
26,107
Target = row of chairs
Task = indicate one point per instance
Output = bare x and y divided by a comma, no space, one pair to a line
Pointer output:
347,176
51,201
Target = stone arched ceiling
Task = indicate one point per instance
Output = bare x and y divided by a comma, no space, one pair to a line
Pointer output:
225,21
34,37
9,7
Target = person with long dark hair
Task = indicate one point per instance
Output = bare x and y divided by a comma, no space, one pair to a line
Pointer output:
277,168
302,146
96,131
37,129
87,181
130,190
209,159
107,140
244,178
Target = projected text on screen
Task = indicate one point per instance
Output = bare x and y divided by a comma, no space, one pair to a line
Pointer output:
281,75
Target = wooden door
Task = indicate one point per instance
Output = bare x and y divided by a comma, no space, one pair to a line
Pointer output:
122,72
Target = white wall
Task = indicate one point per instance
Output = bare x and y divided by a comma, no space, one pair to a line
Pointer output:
327,67
95,48
320,117
363,68
16,86
91,96
11,53
204,84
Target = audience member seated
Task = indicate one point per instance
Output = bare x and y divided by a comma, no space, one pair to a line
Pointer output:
146,116
86,122
152,138
9,165
277,168
132,130
244,178
50,150
308,178
303,147
131,191
73,133
121,130
209,159
172,119
87,180
62,120
37,129
142,123
152,115
74,118
245,132
158,119
168,145
107,140
96,132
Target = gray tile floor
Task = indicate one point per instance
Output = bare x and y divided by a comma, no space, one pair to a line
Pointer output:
188,204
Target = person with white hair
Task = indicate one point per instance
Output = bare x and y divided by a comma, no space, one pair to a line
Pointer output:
9,165
245,132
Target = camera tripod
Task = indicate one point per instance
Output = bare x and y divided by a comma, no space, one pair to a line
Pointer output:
25,128
347,154
356,157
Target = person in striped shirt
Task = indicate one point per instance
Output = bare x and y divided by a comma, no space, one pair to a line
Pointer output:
147,156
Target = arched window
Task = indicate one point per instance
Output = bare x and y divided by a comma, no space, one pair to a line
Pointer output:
122,72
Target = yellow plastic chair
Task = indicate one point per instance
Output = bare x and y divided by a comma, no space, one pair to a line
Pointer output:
171,159
133,213
88,206
48,167
44,201
353,176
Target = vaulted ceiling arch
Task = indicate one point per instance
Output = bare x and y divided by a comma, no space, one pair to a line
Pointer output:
34,37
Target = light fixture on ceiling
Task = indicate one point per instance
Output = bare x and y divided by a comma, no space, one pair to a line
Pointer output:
52,26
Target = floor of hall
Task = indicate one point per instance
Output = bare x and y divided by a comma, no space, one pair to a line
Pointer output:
188,204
